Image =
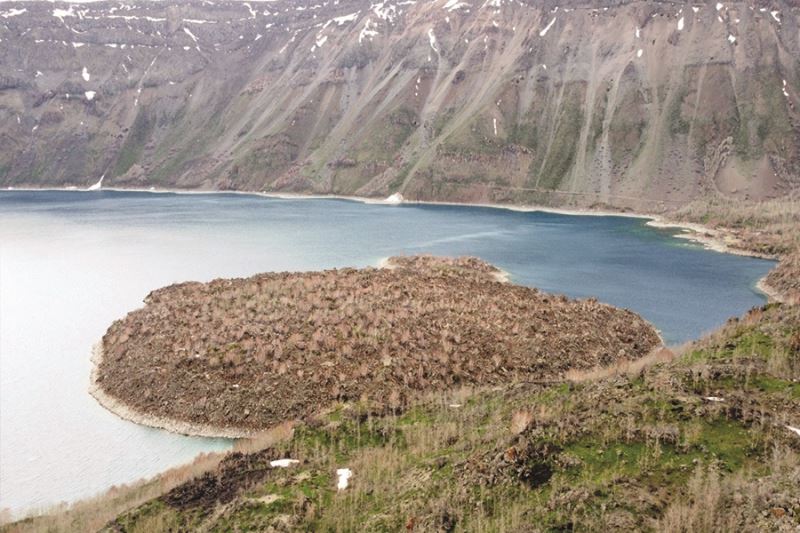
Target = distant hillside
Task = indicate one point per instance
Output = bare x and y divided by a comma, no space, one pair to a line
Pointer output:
640,104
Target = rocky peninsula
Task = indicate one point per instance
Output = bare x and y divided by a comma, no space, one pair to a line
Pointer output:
235,356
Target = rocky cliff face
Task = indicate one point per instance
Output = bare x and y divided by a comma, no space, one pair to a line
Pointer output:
644,104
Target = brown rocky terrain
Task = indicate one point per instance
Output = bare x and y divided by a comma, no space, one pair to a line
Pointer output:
706,440
252,353
769,228
564,102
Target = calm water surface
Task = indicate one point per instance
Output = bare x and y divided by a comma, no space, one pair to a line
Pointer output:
72,262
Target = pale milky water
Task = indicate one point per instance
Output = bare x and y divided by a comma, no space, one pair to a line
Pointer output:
72,262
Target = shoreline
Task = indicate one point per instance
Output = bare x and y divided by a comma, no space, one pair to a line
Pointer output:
501,276
122,410
709,238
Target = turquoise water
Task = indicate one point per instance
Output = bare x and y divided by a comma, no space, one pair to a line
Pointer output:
72,262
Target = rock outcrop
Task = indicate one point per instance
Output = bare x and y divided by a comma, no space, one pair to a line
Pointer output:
631,104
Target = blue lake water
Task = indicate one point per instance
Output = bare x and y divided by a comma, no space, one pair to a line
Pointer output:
72,262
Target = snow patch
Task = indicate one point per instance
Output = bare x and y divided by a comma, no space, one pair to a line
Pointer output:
494,123
452,5
547,28
90,95
61,13
775,15
794,429
366,32
639,52
283,463
719,6
346,18
253,12
638,32
97,186
385,12
394,199
680,24
188,32
12,12
714,399
85,74
344,475
695,9
731,39
432,40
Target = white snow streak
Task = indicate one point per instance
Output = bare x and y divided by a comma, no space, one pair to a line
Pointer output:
97,186
452,5
188,32
680,24
61,13
85,74
432,40
346,18
547,28
253,12
12,12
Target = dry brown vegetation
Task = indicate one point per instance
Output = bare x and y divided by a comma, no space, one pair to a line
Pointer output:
644,447
770,227
255,352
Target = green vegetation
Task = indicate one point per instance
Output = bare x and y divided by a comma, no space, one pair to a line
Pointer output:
694,442
678,125
561,154
133,146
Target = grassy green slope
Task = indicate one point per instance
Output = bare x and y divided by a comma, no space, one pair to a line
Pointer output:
697,442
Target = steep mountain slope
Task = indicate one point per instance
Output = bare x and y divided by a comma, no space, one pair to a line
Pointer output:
641,104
